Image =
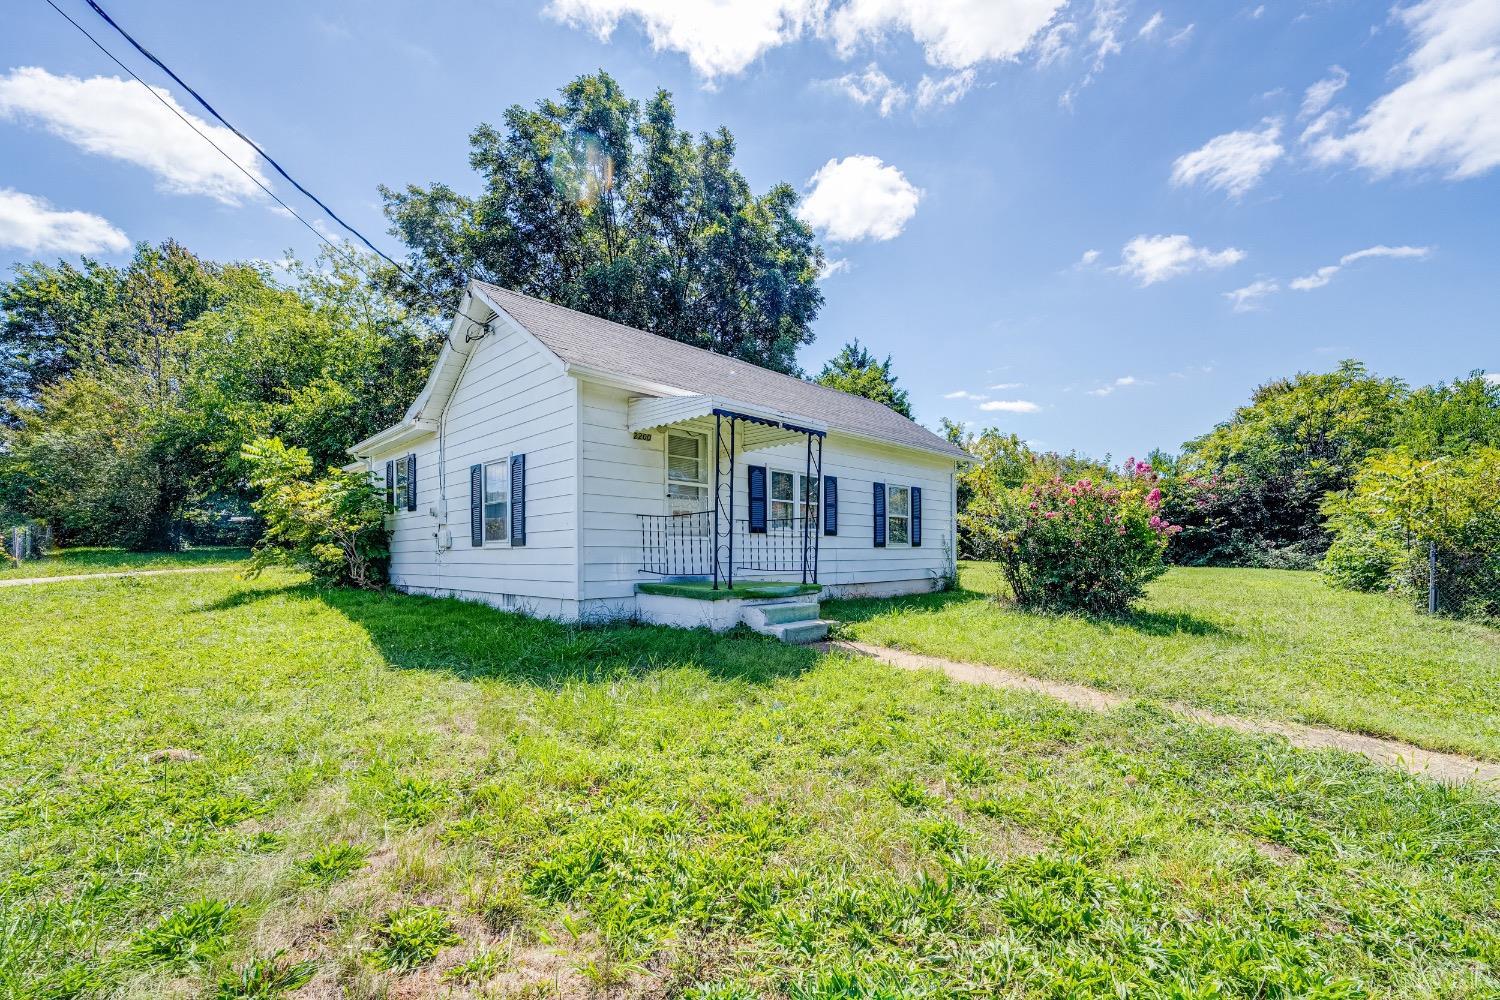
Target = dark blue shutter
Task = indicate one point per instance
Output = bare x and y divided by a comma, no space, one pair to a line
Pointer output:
830,505
476,505
757,488
411,481
390,486
517,500
879,515
916,515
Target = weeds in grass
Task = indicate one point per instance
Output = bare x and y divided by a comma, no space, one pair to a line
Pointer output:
265,978
412,936
196,932
486,964
911,794
334,862
415,801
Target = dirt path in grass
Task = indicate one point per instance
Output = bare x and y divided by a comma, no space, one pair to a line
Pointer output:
1444,767
26,581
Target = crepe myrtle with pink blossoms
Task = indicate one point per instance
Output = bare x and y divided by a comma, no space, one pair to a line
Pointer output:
1075,546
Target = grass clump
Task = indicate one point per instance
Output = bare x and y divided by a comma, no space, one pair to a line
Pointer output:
334,862
196,932
265,978
412,936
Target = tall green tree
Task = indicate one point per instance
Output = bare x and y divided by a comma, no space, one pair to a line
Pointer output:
58,318
1262,475
143,414
854,370
596,202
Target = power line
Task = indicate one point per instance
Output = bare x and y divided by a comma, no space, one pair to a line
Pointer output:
172,107
249,141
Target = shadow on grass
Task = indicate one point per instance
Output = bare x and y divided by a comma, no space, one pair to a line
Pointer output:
474,641
1144,621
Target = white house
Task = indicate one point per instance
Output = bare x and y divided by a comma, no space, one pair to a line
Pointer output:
555,462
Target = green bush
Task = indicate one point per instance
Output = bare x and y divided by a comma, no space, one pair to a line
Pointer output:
1078,546
1401,507
333,527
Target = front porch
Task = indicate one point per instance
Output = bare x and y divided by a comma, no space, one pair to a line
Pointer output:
705,533
787,611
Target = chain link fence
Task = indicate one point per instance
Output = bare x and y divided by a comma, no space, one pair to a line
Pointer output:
24,542
1461,583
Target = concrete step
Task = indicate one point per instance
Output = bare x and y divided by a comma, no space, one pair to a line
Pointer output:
759,615
802,632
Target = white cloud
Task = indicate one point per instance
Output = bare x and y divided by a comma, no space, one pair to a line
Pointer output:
1443,116
859,198
1088,259
1150,259
964,394
1493,378
111,117
832,266
719,38
1324,275
1009,406
1119,383
1181,37
872,86
723,37
949,89
954,34
1055,43
1322,93
1001,386
1233,162
1248,298
30,224
1150,27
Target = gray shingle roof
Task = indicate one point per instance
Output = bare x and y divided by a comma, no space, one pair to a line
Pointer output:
579,338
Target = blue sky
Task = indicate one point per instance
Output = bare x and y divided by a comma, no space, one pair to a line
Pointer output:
1102,221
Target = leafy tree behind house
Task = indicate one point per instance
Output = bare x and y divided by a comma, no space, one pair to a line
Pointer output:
854,370
139,413
597,202
1250,490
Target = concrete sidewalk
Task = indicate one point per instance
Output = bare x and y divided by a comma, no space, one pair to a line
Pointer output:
1446,767
27,581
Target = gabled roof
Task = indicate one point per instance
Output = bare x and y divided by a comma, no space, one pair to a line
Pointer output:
589,347
598,345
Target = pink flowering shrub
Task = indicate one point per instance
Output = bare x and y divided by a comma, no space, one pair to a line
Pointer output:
1079,546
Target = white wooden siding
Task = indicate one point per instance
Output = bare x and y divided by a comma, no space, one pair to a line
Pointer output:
512,397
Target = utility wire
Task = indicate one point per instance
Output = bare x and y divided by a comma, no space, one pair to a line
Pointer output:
249,141
170,106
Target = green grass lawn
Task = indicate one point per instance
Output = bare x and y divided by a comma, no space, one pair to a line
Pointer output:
393,796
65,562
1268,643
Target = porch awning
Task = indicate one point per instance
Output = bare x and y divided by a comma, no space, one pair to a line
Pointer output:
760,427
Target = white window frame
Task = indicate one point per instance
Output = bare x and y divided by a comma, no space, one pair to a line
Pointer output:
800,501
399,485
890,491
705,466
503,465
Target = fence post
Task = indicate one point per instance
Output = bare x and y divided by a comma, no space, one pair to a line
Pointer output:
1432,587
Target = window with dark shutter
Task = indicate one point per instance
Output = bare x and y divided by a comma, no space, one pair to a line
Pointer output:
390,485
476,505
757,491
830,505
517,500
411,481
916,516
879,515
